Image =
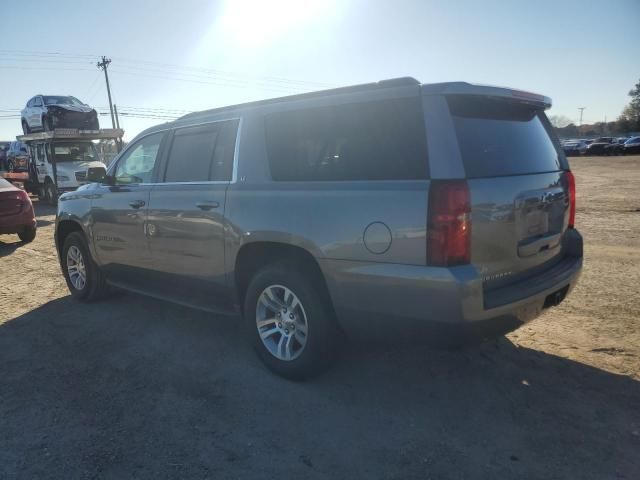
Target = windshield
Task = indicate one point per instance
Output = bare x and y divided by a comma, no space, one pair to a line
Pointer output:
56,100
75,152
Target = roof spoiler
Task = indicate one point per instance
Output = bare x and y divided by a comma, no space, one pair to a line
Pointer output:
464,88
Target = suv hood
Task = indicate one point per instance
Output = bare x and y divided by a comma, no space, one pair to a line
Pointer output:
71,167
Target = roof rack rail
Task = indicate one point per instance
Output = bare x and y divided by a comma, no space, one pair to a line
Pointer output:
389,83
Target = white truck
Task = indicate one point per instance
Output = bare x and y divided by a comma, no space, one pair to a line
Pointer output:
61,159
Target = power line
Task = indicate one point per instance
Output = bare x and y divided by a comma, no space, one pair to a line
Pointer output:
202,81
166,68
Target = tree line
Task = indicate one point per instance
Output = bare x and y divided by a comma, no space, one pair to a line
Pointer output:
627,122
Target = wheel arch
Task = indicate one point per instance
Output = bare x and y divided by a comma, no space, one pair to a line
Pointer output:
255,255
63,229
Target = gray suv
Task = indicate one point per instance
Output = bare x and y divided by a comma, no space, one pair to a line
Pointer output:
390,209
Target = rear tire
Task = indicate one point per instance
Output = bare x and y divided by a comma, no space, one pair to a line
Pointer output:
84,278
28,234
299,324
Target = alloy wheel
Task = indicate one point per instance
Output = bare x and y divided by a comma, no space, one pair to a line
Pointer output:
76,268
281,322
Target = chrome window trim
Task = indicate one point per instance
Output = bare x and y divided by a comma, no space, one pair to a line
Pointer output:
234,172
116,159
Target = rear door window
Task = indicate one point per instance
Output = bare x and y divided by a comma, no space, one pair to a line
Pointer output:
383,140
501,137
202,153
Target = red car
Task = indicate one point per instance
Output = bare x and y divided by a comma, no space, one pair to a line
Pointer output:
16,212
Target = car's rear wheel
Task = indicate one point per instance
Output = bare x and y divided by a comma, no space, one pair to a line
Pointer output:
290,322
25,127
84,278
27,235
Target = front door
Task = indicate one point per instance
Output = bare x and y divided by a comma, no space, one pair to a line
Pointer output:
119,213
186,222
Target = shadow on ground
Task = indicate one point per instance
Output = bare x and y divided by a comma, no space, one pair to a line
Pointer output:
7,247
134,388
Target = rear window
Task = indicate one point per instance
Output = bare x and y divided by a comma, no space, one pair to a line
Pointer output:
499,137
383,140
4,183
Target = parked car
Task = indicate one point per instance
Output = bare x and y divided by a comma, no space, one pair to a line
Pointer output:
17,157
631,146
47,112
574,148
598,146
333,212
615,147
16,212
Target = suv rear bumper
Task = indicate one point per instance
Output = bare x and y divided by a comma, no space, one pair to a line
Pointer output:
386,300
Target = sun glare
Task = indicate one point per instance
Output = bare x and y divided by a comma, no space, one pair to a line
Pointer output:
253,23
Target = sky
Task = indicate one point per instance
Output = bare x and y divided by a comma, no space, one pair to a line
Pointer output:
170,58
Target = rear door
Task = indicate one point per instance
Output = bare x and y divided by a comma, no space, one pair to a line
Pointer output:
518,185
186,214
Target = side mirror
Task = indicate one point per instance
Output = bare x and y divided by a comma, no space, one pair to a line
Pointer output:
97,175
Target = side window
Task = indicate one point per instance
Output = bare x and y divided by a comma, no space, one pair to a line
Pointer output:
37,102
382,140
136,166
202,153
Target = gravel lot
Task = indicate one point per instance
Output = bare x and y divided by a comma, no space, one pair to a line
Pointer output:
136,388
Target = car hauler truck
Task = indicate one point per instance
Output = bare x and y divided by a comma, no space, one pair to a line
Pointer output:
61,159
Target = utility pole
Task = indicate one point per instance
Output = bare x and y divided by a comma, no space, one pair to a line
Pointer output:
118,141
103,66
579,108
115,111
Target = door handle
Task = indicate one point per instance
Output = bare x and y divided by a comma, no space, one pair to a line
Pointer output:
207,205
137,203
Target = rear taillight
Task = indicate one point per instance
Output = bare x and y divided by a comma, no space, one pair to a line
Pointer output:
449,223
572,198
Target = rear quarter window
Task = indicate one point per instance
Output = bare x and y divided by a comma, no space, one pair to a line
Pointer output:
502,137
382,140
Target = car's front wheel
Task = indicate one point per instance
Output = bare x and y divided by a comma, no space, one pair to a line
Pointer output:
84,278
290,322
50,193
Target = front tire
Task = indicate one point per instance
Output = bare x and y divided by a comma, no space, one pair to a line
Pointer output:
290,323
50,193
84,278
27,235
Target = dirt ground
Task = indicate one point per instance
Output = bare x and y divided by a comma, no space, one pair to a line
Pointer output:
136,388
